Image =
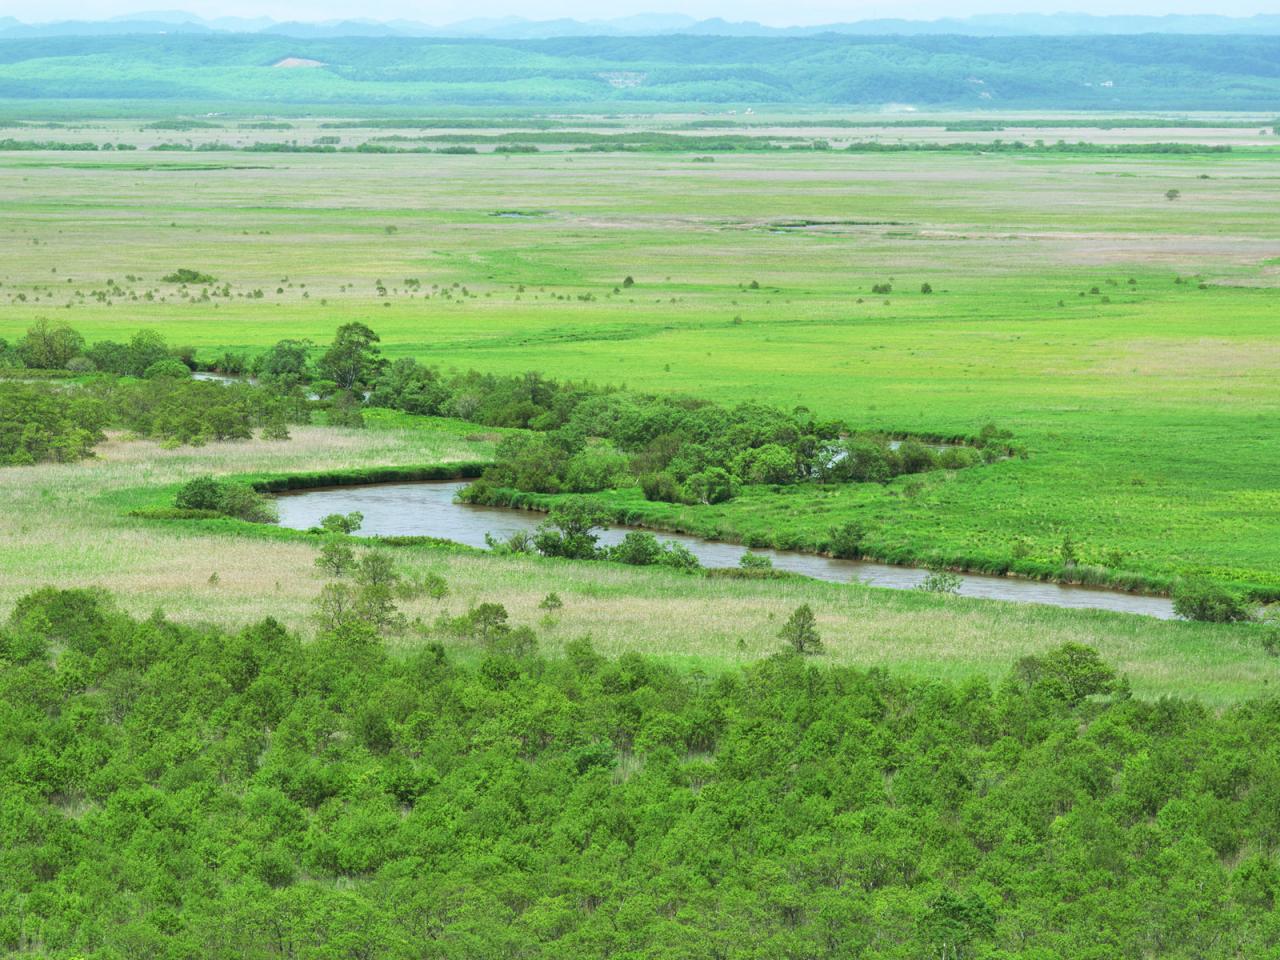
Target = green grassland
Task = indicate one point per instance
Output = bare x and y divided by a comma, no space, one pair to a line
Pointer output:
1147,409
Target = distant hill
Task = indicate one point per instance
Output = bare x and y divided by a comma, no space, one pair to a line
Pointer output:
1147,72
656,24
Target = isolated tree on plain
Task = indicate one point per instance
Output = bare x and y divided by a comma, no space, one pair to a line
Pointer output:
801,631
353,360
1172,194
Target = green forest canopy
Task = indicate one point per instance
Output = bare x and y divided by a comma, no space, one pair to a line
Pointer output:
1151,72
179,791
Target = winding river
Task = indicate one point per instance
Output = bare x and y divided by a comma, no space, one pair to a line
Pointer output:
429,509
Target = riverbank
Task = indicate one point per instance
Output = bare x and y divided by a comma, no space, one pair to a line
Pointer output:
431,509
68,525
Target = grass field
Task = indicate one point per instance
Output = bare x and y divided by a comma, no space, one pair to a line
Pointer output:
1148,408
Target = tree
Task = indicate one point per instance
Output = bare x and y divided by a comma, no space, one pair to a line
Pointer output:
1070,673
345,523
39,422
336,558
409,386
145,348
488,620
1172,194
285,366
801,632
771,463
568,530
353,361
49,347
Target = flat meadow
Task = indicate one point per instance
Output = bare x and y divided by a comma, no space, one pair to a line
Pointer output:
1127,339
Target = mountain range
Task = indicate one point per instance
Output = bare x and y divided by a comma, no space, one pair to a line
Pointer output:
650,24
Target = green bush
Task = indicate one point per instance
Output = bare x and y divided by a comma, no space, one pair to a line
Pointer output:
226,497
174,369
189,276
1197,598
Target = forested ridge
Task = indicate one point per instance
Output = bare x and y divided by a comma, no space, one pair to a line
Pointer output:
1149,72
174,791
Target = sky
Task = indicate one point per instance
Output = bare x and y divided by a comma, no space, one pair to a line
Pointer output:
794,12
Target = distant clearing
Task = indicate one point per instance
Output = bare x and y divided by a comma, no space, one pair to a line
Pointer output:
289,62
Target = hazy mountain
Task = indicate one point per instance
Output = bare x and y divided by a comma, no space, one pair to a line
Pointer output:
1148,72
653,24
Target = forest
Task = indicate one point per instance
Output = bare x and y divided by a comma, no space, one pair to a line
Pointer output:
174,790
1155,72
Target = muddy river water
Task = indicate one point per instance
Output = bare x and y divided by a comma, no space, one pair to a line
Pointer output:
429,509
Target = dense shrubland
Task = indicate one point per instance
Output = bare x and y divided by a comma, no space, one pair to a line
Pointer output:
586,438
38,423
180,791
143,387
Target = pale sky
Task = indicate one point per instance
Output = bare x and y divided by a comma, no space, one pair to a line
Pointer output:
764,11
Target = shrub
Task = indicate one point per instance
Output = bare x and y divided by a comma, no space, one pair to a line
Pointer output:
345,523
940,580
661,487
679,557
241,501
915,457
174,369
713,485
862,461
199,493
228,498
521,541
638,548
1197,598
188,276
846,540
755,561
